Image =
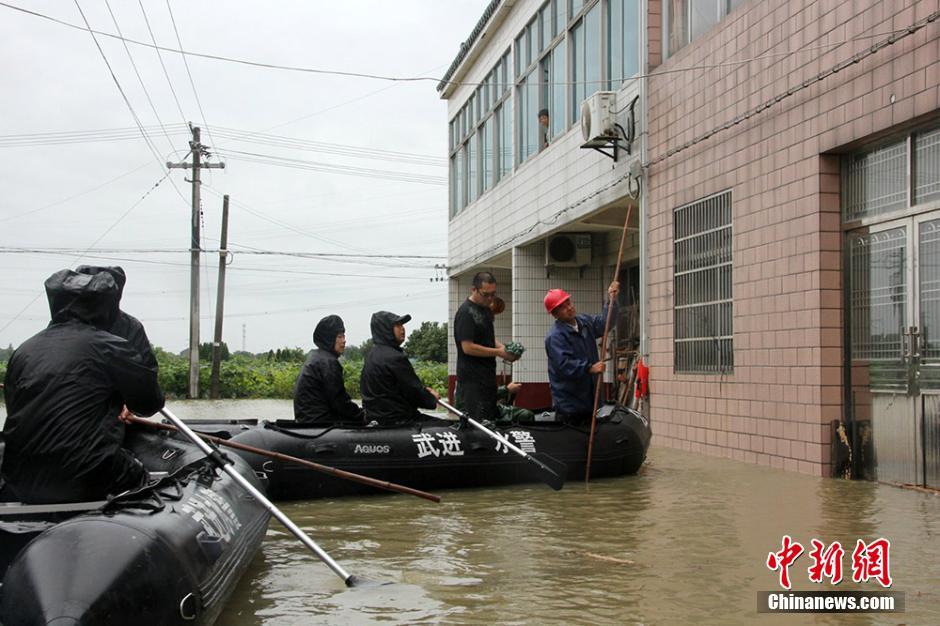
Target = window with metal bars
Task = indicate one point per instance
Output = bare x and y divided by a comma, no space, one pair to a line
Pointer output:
702,287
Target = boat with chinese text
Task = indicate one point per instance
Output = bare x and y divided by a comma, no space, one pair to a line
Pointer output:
435,453
168,553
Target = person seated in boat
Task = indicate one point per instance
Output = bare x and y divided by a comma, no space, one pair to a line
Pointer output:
391,390
320,393
573,360
65,388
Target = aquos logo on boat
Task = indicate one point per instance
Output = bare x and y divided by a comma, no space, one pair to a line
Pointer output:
368,448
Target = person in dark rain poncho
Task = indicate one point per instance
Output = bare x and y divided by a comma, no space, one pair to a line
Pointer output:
320,394
125,325
391,390
65,388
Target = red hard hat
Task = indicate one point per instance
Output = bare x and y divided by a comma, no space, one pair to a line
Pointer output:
555,298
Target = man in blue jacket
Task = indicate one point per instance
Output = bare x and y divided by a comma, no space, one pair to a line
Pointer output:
573,360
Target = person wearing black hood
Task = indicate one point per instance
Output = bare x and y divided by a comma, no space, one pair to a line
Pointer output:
391,391
125,325
320,395
65,388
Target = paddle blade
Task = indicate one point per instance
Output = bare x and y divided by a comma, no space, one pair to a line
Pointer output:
554,472
359,582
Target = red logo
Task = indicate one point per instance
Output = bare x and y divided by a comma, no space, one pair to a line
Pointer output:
869,561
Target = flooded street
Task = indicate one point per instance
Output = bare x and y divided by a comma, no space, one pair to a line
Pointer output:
685,541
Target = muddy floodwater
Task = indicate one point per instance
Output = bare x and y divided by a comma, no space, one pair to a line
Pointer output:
684,542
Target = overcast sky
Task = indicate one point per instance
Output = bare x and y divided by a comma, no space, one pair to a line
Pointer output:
76,173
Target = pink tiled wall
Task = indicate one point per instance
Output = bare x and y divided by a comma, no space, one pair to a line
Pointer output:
775,408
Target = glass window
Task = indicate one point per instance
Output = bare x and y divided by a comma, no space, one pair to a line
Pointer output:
687,19
576,6
532,36
504,115
486,151
927,167
623,41
472,180
454,185
461,182
520,54
577,72
703,14
702,286
556,106
592,48
561,16
527,97
874,182
545,21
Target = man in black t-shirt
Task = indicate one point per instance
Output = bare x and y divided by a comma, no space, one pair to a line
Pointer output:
477,350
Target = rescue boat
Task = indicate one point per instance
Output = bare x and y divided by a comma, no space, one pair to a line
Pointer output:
168,553
434,454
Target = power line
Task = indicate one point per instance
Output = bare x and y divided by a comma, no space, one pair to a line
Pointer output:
139,78
82,255
117,83
192,83
162,64
316,166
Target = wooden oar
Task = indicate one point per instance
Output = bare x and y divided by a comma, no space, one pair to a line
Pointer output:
326,469
349,579
553,471
603,351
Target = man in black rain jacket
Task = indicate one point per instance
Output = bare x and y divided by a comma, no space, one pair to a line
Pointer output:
65,388
125,325
320,394
391,391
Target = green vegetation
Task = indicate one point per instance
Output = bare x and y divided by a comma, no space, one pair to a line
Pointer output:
272,374
265,376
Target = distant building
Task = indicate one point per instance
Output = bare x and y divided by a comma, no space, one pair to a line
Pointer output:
784,247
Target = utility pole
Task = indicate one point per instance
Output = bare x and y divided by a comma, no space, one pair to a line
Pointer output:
243,337
197,150
219,303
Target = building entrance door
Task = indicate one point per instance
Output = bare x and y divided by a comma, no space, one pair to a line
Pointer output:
893,291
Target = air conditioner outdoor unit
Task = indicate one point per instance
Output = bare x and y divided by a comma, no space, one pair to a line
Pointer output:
568,250
599,118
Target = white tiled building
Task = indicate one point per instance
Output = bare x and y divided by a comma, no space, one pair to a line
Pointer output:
784,246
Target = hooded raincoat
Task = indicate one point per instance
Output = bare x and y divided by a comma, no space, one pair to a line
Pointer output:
320,394
125,325
391,391
65,388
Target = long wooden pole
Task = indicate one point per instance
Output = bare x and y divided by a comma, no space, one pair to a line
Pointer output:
326,469
603,352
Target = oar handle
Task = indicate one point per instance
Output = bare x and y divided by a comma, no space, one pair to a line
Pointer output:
366,480
480,426
260,497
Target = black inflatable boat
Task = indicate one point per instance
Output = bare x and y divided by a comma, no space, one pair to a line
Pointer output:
170,553
435,454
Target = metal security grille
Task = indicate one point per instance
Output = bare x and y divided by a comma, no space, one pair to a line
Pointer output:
879,299
875,182
702,286
927,167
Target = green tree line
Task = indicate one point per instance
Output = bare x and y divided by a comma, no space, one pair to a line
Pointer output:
272,374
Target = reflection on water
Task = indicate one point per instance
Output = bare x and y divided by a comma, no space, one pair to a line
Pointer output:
683,542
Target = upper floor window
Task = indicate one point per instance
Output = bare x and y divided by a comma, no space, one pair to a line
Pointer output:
685,20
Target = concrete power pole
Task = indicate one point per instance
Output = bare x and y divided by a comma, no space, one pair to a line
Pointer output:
219,304
197,150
